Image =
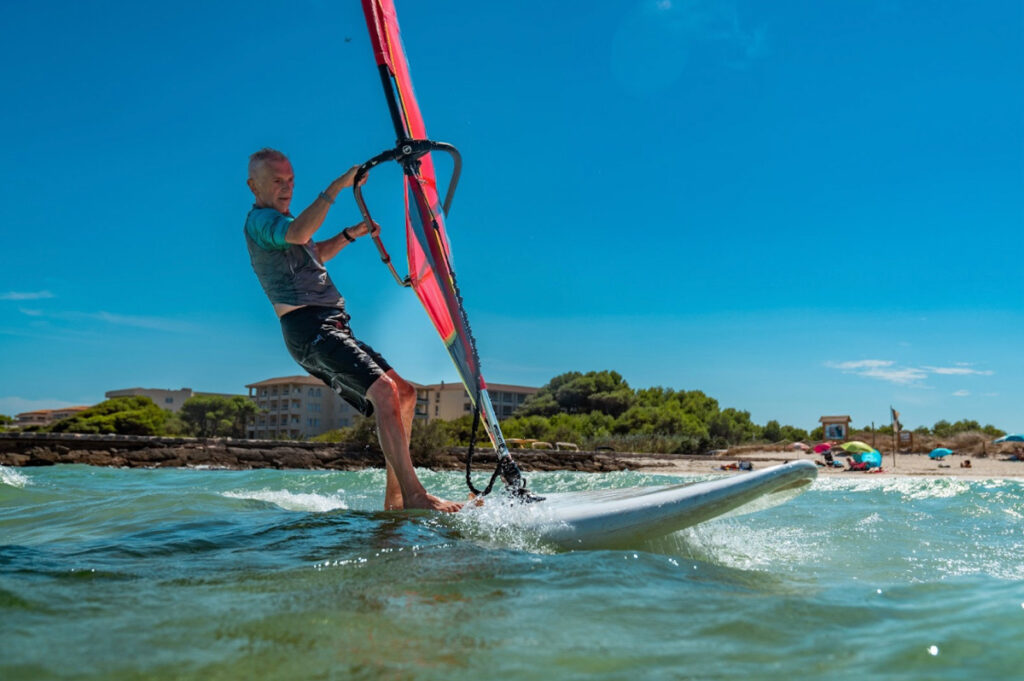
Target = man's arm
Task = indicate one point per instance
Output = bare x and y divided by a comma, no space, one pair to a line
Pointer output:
308,221
328,248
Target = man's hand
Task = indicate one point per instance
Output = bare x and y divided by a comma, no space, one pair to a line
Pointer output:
362,229
348,179
344,182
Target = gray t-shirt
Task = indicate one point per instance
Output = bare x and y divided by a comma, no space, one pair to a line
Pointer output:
289,273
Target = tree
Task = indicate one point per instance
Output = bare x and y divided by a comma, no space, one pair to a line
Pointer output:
121,415
576,393
363,432
428,437
217,416
732,426
794,434
529,427
992,431
772,431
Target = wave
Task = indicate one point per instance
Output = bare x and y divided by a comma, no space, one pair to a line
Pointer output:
290,501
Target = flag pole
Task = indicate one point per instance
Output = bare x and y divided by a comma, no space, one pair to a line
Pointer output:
895,434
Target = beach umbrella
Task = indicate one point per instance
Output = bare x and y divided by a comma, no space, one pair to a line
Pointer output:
1010,438
823,447
799,445
857,446
939,452
873,458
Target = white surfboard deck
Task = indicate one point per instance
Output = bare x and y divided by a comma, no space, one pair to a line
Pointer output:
622,518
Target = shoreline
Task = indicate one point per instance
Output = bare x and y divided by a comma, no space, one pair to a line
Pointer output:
31,449
981,467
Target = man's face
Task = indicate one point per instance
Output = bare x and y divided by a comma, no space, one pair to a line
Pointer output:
272,185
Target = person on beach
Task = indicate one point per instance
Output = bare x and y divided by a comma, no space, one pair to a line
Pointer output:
290,267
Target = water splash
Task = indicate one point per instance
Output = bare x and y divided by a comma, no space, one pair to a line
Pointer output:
12,478
499,522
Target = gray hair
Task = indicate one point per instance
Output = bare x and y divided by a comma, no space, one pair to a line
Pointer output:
262,157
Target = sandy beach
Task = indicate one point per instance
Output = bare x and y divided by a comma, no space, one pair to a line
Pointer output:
994,465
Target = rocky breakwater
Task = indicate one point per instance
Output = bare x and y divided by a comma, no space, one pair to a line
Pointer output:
131,451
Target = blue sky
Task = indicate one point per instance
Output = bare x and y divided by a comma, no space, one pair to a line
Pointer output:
800,208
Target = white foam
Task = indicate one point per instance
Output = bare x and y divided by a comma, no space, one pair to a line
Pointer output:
290,501
910,487
734,544
499,522
9,476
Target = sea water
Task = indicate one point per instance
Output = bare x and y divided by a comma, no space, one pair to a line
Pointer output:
216,574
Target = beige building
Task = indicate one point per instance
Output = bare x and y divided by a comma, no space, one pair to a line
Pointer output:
449,401
165,399
44,417
296,408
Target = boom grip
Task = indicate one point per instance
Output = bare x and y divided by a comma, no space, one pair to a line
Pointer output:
407,152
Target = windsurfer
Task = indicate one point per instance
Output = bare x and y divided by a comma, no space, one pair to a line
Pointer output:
290,267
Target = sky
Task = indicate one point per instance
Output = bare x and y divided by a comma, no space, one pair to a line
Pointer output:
799,208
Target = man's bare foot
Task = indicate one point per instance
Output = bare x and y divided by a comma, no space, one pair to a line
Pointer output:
432,503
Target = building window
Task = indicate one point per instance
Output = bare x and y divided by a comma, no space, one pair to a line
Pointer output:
437,410
466,406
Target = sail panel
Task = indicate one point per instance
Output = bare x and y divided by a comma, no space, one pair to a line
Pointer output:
429,254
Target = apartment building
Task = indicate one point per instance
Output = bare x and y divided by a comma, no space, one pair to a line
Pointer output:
296,408
171,400
449,401
44,417
165,399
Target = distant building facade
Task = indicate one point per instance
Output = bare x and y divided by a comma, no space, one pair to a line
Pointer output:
301,407
449,401
44,417
296,408
165,399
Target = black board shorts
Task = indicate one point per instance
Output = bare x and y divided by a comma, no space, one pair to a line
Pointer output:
320,340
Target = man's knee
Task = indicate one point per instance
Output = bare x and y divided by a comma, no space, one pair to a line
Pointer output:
406,391
383,393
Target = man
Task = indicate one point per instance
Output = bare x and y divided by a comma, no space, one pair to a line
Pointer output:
290,267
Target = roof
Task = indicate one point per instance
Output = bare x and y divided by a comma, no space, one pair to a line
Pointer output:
162,390
823,419
491,387
35,411
287,380
47,412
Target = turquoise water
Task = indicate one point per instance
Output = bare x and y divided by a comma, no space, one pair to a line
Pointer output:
212,574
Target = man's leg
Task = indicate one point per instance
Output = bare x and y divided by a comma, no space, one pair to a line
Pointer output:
407,400
387,408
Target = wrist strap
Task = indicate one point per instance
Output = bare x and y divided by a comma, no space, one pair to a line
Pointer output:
349,237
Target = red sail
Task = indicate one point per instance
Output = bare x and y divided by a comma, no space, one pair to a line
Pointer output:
429,255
